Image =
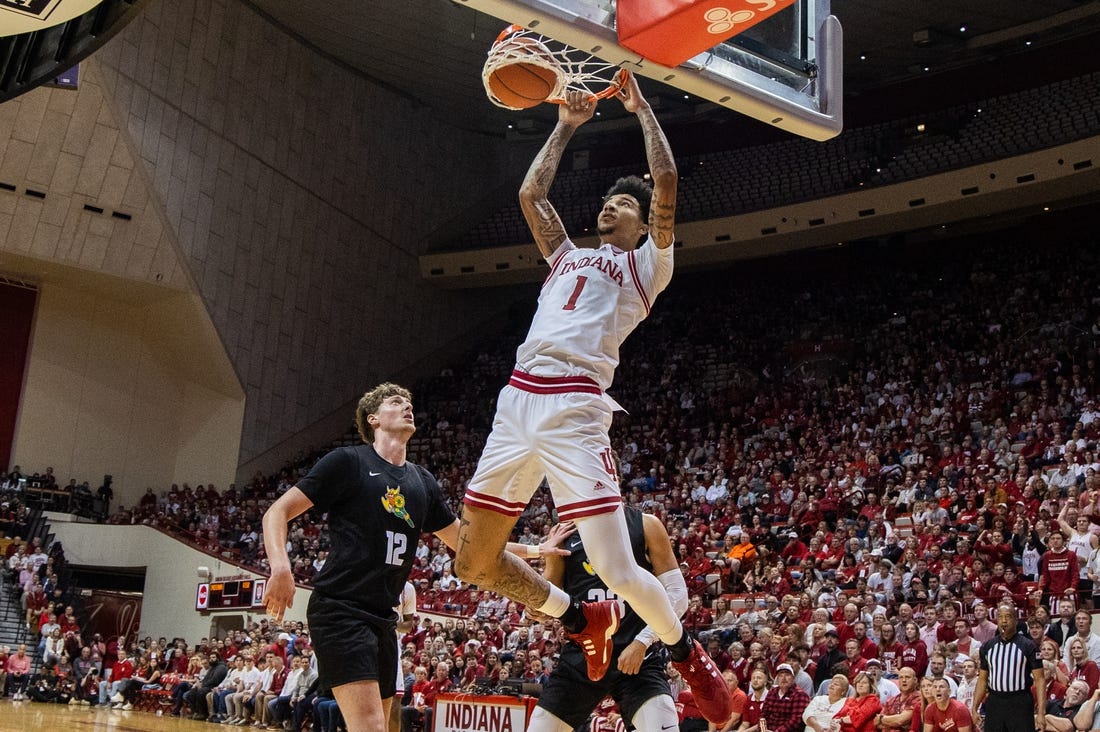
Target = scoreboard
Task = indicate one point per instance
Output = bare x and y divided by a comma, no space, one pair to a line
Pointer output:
237,594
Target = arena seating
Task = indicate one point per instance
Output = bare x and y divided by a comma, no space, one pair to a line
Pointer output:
741,180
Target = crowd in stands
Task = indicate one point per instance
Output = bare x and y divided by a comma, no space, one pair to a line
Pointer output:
47,625
857,462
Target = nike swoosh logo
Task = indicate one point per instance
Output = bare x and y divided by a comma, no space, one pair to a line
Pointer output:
372,473
670,726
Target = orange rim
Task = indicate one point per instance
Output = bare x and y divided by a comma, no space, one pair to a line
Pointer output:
508,31
613,88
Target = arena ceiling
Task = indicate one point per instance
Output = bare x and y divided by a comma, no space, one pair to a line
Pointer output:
431,51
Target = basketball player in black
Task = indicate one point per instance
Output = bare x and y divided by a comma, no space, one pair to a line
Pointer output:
636,679
378,504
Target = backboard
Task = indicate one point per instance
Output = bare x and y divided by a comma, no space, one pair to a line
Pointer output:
785,71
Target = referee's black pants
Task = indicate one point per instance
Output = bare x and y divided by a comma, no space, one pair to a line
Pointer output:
1014,712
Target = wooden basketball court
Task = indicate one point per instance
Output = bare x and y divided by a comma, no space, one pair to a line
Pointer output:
32,717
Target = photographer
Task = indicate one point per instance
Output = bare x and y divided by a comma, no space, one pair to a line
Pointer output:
85,675
43,687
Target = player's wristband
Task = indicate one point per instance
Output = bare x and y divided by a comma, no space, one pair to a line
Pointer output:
533,551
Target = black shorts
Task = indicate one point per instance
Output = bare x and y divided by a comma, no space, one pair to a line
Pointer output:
571,696
352,644
1009,712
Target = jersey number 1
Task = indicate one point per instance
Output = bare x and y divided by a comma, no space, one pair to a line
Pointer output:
572,304
395,548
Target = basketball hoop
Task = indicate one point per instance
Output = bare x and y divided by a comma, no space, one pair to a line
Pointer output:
526,68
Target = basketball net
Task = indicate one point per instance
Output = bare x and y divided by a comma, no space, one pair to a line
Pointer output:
574,69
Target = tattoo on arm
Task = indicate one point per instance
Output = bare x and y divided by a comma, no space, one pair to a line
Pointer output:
662,210
463,537
541,217
521,583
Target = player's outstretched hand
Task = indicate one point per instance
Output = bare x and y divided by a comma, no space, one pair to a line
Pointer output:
630,660
279,594
578,108
554,539
629,94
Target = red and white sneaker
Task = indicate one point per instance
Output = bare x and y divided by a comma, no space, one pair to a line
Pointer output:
712,696
595,640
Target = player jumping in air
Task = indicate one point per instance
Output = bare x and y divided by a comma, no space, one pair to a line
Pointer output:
553,416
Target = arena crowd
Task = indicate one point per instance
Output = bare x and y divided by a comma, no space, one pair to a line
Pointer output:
857,467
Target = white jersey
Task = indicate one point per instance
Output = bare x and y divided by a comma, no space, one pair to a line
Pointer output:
591,301
1081,544
1030,561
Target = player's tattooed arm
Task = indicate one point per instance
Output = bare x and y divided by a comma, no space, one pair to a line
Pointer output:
662,168
542,219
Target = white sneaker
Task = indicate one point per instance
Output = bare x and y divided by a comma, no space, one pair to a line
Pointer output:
127,707
117,698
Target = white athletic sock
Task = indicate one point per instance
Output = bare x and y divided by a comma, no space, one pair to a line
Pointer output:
557,602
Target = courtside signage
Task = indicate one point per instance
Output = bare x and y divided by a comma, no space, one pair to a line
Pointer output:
25,16
471,714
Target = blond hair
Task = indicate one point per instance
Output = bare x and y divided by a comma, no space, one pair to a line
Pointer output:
371,402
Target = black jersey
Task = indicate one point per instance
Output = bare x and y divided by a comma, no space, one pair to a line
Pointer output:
376,513
582,583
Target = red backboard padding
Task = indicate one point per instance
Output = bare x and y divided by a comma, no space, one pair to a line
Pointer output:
670,32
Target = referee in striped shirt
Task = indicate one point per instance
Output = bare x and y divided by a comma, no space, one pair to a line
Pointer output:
1010,665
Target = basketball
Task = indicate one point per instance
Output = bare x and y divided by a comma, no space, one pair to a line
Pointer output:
522,85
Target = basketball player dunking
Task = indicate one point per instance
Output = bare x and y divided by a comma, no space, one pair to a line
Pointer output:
553,416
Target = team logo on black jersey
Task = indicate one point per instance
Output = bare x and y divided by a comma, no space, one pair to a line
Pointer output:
394,503
588,567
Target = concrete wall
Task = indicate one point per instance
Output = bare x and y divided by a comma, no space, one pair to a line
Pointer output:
66,148
301,196
289,195
129,386
168,606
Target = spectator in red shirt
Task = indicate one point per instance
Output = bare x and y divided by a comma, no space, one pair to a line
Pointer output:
859,711
794,550
122,670
279,646
946,714
424,693
18,668
914,652
867,647
1057,569
1081,666
857,664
